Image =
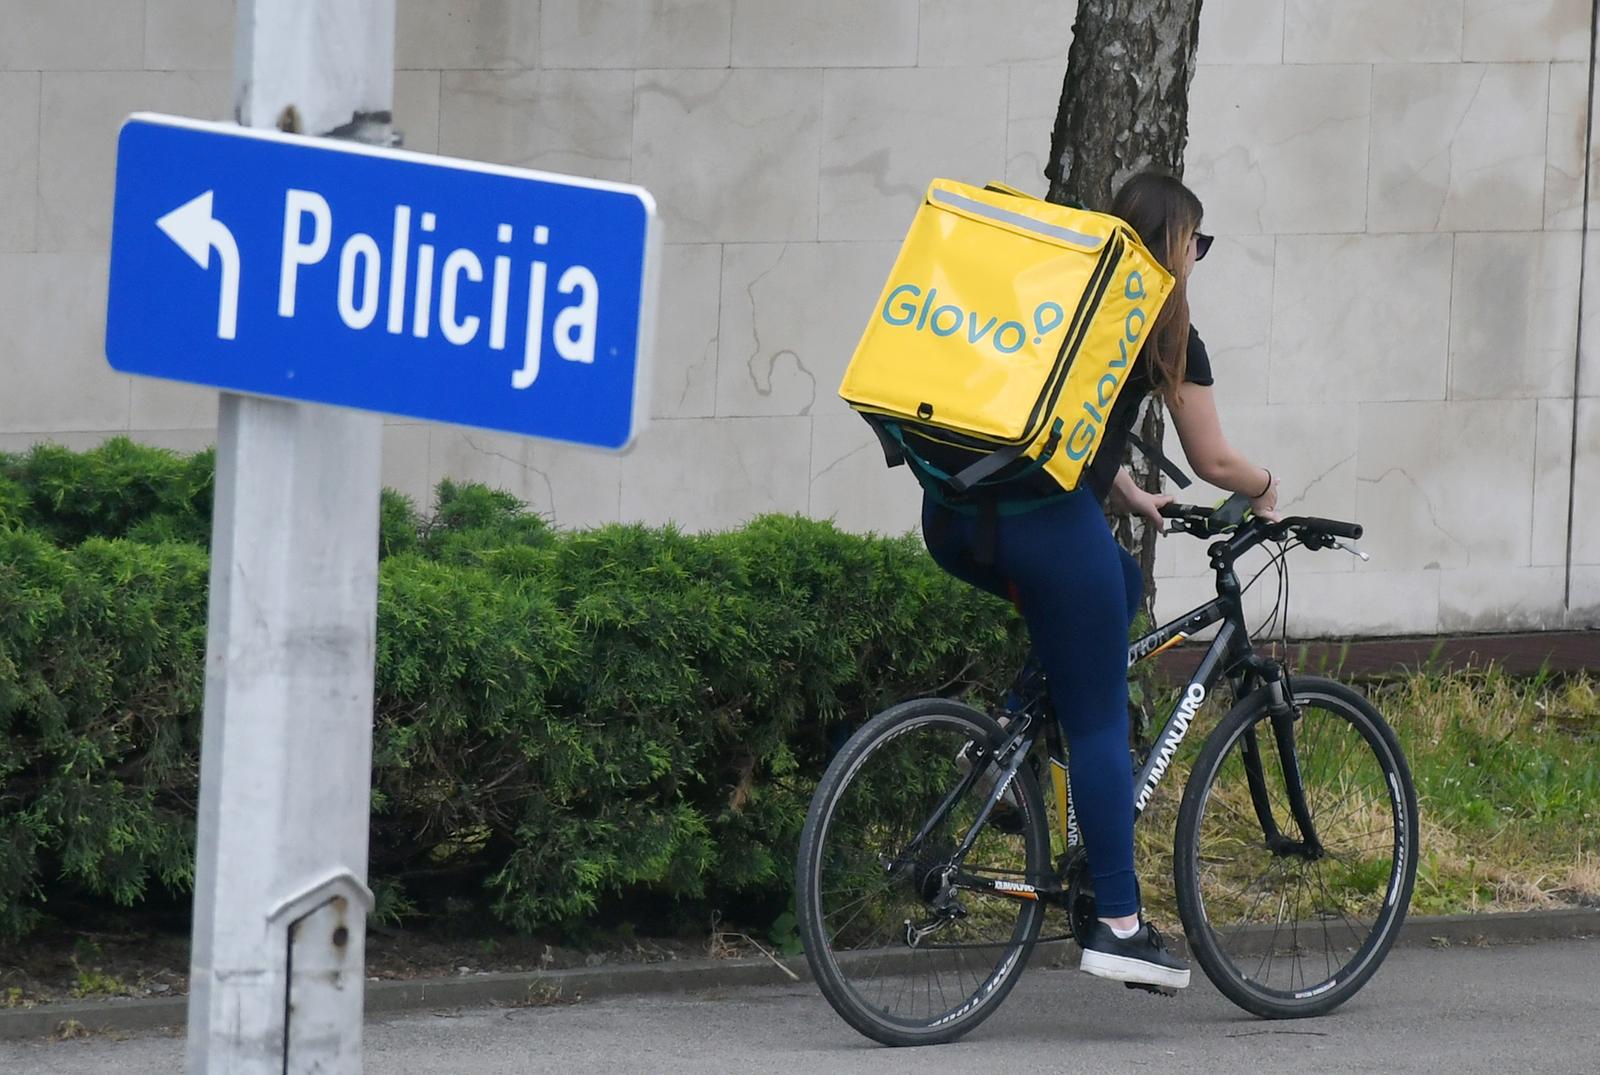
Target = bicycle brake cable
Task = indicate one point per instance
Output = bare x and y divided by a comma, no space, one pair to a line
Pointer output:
1285,625
1279,561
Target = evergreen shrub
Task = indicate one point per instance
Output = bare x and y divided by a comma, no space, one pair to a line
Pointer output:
565,720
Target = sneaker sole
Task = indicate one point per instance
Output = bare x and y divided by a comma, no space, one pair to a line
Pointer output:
1125,969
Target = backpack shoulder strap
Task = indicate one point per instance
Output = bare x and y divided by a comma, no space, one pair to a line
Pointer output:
1155,455
894,452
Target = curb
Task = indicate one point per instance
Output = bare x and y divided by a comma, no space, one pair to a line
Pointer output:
535,988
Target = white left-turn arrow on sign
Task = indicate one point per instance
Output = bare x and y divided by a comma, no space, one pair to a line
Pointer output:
196,231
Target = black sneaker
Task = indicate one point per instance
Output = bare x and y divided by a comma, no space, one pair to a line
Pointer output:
1142,959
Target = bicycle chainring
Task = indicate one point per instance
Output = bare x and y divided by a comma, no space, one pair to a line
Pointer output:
1074,870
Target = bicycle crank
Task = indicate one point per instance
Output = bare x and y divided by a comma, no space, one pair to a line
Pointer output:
1079,894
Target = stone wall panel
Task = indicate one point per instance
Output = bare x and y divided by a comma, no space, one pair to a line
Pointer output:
1552,483
1459,147
824,33
80,116
958,33
886,133
571,122
1526,30
780,354
1446,485
717,473
469,35
1241,31
632,34
1372,31
1281,149
684,380
731,156
188,35
19,165
1514,314
851,484
1361,317
72,35
53,309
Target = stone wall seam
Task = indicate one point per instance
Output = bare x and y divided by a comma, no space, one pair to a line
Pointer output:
38,162
1450,317
1549,106
822,128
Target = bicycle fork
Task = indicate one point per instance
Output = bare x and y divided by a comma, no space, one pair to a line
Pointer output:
1283,714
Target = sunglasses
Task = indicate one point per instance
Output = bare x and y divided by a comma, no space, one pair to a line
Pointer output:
1202,243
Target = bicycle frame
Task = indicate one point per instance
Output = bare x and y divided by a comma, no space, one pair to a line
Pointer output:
1230,654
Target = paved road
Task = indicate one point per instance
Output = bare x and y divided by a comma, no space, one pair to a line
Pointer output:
1460,1010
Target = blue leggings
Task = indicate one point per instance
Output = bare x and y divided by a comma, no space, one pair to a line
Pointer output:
1079,591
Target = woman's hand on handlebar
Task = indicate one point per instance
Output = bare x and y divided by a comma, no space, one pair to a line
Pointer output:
1127,497
1265,506
1149,508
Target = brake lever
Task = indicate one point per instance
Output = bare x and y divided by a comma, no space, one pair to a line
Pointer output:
1351,549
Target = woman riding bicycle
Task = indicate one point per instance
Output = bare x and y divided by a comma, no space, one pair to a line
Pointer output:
1078,590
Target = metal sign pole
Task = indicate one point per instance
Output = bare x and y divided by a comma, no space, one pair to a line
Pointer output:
276,981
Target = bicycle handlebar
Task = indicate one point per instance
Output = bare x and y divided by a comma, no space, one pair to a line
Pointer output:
1334,527
1208,522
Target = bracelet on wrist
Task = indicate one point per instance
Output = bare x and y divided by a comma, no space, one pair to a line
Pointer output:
1268,487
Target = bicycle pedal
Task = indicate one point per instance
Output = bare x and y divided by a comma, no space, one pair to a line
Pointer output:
1158,990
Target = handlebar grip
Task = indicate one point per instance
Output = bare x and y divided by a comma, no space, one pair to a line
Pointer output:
1334,527
1175,510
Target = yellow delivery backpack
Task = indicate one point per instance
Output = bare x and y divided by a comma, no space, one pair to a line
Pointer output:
1002,339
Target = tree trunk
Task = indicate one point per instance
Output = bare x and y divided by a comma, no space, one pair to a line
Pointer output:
1124,108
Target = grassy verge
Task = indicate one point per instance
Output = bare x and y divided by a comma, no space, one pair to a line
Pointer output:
1508,774
1508,784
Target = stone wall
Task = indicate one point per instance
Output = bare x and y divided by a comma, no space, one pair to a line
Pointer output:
1392,304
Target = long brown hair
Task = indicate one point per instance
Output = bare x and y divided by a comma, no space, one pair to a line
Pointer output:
1166,214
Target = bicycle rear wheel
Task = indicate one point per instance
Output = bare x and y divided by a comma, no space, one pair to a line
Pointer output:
906,951
1283,930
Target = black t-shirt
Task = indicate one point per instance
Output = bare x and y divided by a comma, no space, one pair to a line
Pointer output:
1108,459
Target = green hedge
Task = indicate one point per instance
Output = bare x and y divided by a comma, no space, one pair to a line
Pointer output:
564,718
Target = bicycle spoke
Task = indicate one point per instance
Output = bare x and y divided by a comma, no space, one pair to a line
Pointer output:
1322,920
1248,917
1337,908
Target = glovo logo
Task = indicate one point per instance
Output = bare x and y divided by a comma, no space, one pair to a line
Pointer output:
902,309
1083,436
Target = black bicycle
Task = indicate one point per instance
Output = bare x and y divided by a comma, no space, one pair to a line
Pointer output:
926,861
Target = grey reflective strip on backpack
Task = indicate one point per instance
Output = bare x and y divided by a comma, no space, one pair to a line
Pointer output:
1017,220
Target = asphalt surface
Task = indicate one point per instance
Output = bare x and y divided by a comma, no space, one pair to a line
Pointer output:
1519,1008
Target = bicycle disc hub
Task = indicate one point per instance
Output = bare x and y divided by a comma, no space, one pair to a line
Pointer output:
1283,847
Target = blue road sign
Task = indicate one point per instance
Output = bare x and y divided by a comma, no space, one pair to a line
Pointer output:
331,272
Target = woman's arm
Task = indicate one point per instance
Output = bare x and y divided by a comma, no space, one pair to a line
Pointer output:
1215,460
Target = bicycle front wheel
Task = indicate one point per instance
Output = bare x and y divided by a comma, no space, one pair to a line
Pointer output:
1287,928
910,946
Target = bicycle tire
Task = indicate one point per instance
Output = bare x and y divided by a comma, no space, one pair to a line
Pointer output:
1356,816
825,823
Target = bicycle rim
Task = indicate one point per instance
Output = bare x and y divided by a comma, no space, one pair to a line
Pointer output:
1281,933
905,959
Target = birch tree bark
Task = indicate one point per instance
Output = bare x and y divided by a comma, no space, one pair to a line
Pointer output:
1124,108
